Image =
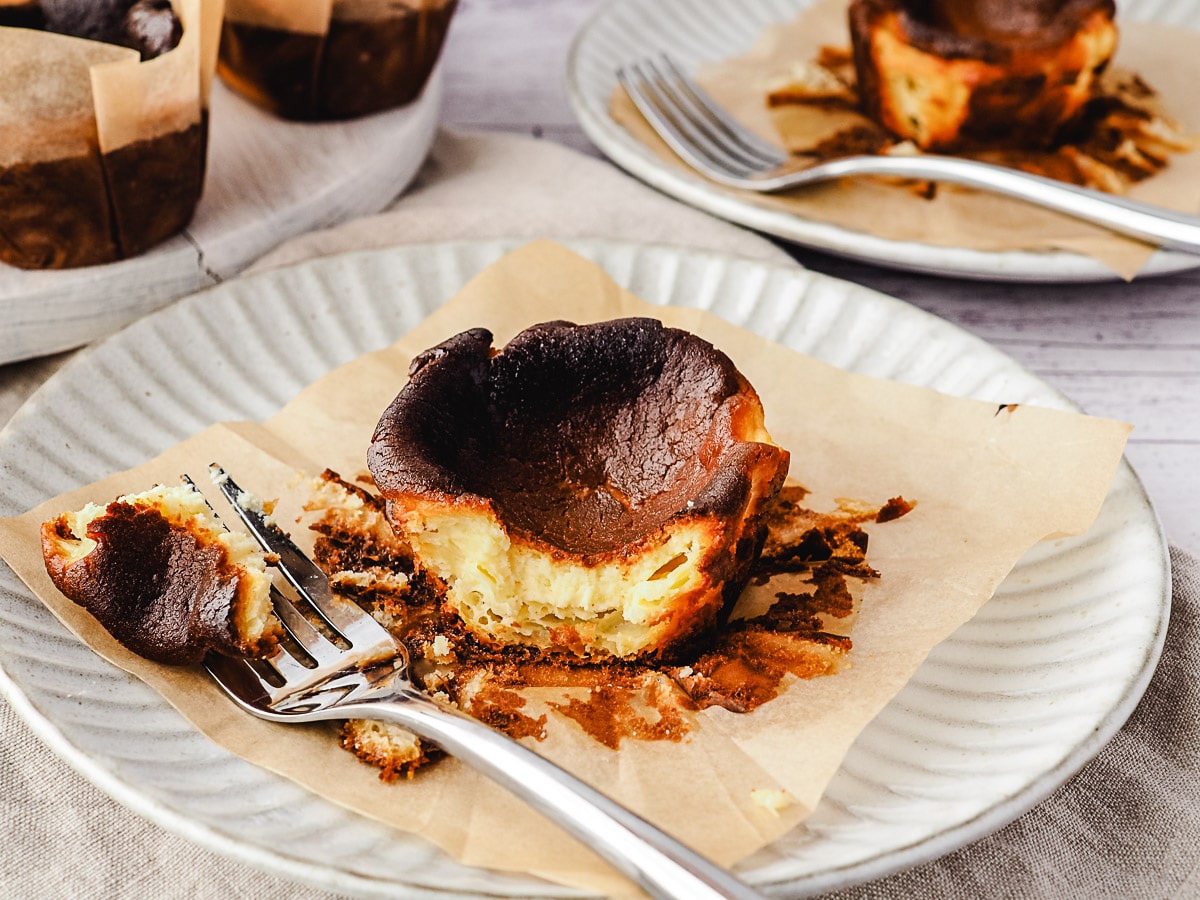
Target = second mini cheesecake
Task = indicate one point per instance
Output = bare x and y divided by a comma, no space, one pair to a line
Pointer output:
980,74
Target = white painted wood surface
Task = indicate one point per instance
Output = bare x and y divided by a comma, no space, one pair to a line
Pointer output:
1130,351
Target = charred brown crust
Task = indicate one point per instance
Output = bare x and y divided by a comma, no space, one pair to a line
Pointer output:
26,14
361,66
161,590
584,439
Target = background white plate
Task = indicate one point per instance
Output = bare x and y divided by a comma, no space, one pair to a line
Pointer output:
267,180
698,31
998,716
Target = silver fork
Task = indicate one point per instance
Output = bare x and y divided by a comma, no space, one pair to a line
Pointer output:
370,680
710,140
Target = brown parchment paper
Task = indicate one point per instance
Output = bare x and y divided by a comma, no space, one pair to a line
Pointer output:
65,96
988,485
54,116
164,94
1167,58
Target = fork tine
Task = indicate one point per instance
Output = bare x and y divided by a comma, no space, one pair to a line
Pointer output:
708,133
680,134
289,668
699,100
240,681
302,573
315,644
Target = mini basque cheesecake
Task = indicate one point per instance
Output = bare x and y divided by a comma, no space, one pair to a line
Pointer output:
594,489
951,75
163,576
103,127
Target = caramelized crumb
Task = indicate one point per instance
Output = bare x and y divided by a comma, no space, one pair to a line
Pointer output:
391,767
832,596
748,667
865,138
835,57
611,713
894,509
501,708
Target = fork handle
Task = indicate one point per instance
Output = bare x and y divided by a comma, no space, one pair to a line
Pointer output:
657,862
1164,227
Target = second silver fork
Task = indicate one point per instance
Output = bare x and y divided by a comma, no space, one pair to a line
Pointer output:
712,142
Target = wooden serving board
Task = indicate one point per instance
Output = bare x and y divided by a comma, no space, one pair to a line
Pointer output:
268,180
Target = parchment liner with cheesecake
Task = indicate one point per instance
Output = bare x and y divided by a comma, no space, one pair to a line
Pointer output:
322,60
104,121
1022,84
1052,87
103,126
585,536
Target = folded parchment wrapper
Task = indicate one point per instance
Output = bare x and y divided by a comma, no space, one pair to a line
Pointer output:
332,59
1168,59
101,155
987,486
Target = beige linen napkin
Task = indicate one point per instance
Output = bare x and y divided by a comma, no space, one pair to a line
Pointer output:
1127,825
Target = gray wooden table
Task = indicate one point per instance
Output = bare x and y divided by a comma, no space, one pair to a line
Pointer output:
1130,351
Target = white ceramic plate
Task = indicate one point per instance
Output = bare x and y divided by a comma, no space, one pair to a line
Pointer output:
267,180
698,31
998,716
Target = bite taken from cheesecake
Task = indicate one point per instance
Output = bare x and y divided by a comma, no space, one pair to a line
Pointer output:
163,576
597,490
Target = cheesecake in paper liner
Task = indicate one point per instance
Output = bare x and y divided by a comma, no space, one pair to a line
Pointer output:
332,59
988,484
102,155
1166,60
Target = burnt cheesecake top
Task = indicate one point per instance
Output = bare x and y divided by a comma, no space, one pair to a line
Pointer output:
987,29
583,438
